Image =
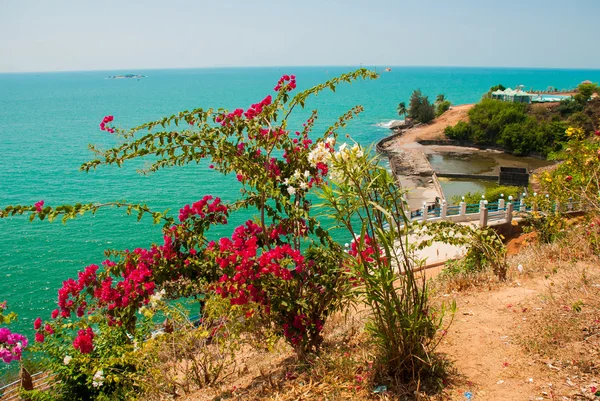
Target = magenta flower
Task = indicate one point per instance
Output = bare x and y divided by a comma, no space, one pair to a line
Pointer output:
39,206
37,323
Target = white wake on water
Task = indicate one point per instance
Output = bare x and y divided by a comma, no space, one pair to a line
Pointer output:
388,124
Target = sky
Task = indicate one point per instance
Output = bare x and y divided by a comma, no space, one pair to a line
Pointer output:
72,35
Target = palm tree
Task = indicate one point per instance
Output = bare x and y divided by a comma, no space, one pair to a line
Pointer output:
402,109
440,98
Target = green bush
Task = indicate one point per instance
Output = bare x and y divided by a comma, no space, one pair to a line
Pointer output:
517,127
491,194
442,108
569,106
461,131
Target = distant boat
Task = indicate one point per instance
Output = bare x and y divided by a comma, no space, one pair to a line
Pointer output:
388,69
134,76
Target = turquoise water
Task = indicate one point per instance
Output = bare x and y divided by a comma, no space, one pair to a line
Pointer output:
47,120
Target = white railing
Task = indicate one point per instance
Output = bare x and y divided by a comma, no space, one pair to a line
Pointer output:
484,212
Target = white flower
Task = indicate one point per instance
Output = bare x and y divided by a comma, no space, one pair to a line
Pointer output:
155,298
303,185
357,150
297,174
67,359
291,190
319,154
306,173
98,379
330,141
286,181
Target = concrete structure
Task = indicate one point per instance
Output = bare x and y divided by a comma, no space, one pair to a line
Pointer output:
514,176
511,95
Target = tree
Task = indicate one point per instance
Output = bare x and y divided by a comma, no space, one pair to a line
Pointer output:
440,98
420,109
585,92
401,109
494,88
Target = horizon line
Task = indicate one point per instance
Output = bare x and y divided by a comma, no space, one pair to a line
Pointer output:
307,66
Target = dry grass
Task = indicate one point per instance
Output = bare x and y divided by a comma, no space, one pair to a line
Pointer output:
559,339
565,325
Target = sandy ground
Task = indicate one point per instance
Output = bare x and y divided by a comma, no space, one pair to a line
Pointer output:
432,131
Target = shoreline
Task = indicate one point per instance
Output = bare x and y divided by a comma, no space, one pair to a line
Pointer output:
410,151
408,160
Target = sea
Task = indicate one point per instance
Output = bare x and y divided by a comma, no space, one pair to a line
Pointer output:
47,121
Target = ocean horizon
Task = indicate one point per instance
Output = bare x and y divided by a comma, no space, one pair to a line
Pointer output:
47,120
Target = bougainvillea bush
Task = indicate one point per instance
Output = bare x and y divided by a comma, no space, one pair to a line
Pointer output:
11,344
281,265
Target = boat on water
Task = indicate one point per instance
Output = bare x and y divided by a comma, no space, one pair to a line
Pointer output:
388,69
126,76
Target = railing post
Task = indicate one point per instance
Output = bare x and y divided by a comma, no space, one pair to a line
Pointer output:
463,208
570,205
522,206
534,206
424,212
501,204
483,217
509,212
444,211
481,205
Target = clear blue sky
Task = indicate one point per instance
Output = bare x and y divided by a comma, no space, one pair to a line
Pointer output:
60,35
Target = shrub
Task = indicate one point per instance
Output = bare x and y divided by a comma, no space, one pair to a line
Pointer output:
569,106
461,131
281,266
442,107
364,197
491,194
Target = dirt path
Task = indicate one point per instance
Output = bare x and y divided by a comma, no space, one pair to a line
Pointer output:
485,345
482,347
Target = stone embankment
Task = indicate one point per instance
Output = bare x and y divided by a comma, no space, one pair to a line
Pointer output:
410,164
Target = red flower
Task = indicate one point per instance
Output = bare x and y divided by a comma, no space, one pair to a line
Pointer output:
84,341
54,313
39,206
37,323
569,178
39,337
49,329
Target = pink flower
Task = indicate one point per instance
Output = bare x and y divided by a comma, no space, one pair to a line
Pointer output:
39,206
37,323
